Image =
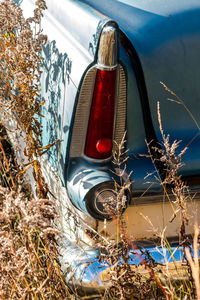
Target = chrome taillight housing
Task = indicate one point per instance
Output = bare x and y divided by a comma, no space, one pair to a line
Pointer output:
101,109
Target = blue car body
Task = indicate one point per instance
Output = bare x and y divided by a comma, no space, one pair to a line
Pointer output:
158,41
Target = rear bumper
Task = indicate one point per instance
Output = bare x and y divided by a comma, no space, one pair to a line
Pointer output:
83,270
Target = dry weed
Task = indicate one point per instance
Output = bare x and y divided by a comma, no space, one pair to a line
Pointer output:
20,44
29,260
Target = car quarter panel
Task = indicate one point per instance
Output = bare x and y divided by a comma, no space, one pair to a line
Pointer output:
166,37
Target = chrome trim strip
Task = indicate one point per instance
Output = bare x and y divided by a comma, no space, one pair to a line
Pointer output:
94,160
104,68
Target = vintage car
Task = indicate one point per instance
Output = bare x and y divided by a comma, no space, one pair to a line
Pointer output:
102,68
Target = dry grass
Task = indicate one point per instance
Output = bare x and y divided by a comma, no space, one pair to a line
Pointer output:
177,280
20,43
29,260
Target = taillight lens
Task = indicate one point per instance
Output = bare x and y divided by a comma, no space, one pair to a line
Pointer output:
101,121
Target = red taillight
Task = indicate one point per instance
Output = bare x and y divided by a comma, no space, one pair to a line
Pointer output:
101,121
104,145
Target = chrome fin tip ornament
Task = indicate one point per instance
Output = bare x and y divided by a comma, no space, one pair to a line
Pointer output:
108,49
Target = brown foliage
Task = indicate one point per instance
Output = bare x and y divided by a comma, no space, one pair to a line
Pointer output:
29,260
